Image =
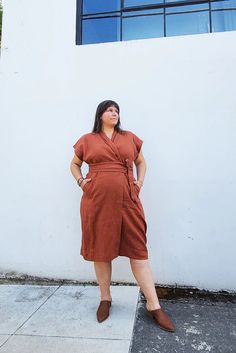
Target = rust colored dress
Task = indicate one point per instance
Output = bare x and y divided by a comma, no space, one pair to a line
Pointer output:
112,217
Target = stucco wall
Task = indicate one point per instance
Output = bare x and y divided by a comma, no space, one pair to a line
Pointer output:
176,93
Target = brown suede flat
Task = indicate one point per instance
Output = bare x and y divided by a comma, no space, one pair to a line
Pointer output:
162,319
103,310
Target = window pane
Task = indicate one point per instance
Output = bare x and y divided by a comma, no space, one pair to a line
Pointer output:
223,20
174,0
99,15
142,12
101,30
204,6
92,6
189,23
143,27
223,4
141,2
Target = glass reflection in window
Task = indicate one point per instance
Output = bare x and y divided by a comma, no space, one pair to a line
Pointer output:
101,30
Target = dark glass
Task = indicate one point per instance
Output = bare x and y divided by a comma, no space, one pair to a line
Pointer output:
187,23
223,20
143,27
101,30
93,6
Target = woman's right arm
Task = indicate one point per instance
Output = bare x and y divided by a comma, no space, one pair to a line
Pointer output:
75,167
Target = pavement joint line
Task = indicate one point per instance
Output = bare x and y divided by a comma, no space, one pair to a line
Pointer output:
12,334
135,315
74,337
4,342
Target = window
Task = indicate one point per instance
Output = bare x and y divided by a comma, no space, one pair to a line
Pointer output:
187,19
97,6
100,21
149,25
99,30
223,16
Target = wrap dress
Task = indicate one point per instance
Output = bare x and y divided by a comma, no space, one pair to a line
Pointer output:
112,216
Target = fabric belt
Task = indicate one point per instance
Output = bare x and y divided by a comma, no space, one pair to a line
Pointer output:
117,166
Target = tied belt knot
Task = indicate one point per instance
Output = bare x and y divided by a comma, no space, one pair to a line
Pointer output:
125,167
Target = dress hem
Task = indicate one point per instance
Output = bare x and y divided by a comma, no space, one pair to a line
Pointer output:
87,258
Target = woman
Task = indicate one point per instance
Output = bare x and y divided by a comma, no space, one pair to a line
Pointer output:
112,217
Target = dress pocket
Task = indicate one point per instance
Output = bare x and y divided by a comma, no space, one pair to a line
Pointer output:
86,185
137,188
89,185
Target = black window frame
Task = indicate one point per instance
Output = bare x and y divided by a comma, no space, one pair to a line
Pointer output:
164,5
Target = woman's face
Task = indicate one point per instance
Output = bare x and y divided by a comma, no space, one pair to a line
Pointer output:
110,116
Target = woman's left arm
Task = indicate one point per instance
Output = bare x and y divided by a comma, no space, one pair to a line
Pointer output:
140,168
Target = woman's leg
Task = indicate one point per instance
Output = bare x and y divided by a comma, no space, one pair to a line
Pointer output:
142,272
103,274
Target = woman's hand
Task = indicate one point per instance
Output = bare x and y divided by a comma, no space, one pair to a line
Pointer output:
84,182
139,183
141,169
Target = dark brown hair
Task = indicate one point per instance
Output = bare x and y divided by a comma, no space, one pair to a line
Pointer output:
101,108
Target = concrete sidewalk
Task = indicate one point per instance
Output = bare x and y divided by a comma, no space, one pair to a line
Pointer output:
59,319
62,318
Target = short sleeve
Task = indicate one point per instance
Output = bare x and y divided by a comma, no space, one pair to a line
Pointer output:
138,144
79,148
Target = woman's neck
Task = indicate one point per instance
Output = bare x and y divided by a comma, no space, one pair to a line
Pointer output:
108,130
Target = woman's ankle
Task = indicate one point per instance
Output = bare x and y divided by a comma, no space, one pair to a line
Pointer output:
105,297
152,306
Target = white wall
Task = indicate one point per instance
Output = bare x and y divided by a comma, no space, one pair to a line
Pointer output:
176,93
